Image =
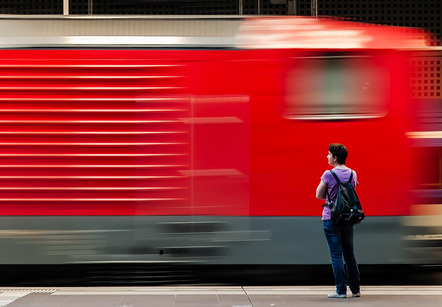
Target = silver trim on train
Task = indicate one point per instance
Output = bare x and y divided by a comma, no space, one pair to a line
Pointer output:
118,41
244,32
116,31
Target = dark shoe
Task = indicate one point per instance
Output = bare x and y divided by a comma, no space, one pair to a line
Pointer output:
356,294
336,295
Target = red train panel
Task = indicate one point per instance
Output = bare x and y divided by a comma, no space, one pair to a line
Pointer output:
107,132
205,132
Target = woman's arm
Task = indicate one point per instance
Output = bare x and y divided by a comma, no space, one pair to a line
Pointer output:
321,190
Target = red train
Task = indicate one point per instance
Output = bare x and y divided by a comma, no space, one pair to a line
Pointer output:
199,140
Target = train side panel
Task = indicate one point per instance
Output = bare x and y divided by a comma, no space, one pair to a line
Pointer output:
164,133
188,155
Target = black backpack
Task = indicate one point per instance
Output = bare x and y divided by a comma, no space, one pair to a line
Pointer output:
346,210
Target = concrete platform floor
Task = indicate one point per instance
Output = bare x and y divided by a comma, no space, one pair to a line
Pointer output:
217,296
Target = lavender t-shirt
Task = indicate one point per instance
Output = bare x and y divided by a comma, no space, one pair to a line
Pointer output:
332,185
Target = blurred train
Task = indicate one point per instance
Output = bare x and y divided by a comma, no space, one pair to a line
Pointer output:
198,142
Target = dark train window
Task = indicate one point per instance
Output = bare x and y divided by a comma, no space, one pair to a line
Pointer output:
331,88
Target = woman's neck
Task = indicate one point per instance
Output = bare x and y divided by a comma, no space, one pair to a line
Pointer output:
340,166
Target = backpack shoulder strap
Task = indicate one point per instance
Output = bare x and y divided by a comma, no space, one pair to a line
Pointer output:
351,176
336,177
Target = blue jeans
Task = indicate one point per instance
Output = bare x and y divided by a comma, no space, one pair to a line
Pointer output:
340,242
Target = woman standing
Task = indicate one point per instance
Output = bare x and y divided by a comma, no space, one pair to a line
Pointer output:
340,240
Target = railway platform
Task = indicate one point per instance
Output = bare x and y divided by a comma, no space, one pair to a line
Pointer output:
216,296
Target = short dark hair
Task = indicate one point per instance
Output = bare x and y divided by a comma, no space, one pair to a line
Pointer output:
339,151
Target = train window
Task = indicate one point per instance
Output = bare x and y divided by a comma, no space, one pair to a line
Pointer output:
334,88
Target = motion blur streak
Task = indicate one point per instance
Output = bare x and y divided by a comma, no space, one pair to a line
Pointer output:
147,141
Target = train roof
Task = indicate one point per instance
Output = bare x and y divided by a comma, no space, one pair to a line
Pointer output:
240,32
